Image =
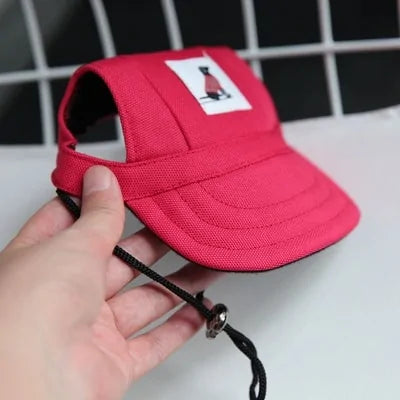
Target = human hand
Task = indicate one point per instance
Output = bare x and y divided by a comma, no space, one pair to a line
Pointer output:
65,327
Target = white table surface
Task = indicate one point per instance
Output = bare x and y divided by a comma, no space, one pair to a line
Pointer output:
326,327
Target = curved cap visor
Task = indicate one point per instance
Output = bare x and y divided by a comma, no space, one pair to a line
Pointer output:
207,168
256,218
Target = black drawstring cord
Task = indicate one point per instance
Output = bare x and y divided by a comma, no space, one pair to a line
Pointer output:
244,344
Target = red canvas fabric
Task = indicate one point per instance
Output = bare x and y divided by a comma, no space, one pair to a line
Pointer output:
223,190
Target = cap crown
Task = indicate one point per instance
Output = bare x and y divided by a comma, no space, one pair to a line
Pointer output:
169,102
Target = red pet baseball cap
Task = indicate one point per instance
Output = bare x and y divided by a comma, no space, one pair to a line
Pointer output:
207,168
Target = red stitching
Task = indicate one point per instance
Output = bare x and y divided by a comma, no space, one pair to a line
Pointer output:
176,119
319,204
177,185
210,176
346,205
309,187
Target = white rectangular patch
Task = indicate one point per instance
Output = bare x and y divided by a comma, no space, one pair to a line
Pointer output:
209,84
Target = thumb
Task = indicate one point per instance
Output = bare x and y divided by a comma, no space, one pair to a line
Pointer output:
102,216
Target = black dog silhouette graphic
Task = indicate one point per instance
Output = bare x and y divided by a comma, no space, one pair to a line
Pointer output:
212,87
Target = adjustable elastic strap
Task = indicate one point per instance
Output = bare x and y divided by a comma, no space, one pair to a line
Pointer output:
213,317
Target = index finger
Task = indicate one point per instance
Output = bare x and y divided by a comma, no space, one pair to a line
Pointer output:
143,245
49,220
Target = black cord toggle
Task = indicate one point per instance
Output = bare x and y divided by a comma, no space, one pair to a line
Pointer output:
218,322
216,317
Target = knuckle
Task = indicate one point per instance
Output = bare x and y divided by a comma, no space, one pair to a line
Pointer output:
106,209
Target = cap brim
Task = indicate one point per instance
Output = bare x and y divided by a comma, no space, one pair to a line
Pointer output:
255,218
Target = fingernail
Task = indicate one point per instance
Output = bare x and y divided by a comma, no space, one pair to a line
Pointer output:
96,179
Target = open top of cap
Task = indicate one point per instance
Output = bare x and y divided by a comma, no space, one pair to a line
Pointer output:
207,168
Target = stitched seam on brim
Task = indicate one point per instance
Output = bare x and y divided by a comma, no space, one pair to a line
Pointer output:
347,203
263,207
286,150
177,185
325,199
